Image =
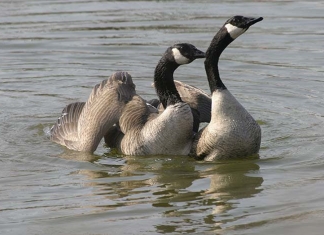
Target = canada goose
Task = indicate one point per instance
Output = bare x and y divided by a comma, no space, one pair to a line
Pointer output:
232,131
145,132
196,98
83,124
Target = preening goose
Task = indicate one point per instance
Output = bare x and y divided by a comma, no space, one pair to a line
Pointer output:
83,124
143,131
232,131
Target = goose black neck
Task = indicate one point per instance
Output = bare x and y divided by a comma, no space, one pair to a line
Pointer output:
221,40
164,83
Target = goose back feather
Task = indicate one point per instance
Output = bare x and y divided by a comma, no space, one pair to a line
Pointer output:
165,133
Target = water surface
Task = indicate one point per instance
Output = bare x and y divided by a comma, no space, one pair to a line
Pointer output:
54,52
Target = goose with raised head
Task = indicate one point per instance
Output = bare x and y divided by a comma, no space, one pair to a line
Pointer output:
232,131
83,124
170,132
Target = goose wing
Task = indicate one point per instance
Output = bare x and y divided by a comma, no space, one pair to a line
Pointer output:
154,102
119,87
196,98
104,107
136,113
82,125
134,116
66,127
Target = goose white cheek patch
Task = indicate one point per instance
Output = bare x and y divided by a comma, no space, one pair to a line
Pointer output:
178,57
234,31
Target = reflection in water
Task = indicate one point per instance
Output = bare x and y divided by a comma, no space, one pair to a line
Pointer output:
78,156
175,187
230,181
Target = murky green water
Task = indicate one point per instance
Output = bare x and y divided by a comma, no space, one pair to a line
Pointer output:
53,52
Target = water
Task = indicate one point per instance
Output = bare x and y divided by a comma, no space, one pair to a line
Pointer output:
54,52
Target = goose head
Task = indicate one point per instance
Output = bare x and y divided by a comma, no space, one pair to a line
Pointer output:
184,53
232,29
175,56
237,25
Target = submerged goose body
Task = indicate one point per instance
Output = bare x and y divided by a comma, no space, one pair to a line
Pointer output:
232,131
144,131
83,124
